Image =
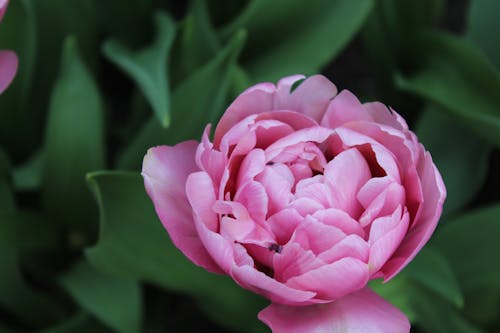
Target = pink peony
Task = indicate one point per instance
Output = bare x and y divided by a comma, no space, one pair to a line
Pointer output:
8,59
303,196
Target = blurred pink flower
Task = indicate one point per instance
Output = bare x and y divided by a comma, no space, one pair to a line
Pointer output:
303,196
8,59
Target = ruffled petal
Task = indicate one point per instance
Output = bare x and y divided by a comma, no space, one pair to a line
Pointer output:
360,312
254,100
250,278
201,196
311,97
334,280
345,175
165,170
434,193
344,108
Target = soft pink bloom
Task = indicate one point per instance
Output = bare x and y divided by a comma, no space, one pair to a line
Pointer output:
8,59
302,196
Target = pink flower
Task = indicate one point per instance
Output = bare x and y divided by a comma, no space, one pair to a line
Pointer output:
8,59
303,196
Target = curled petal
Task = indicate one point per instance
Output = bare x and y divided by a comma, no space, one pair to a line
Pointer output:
311,97
254,100
384,115
252,279
360,312
165,171
434,193
334,280
345,175
344,108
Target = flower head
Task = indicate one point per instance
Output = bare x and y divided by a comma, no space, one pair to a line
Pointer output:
303,196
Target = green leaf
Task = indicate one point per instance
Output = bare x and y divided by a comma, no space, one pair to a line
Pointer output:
482,23
25,231
457,76
17,297
431,269
470,243
7,201
436,315
389,36
210,86
79,323
18,33
115,301
130,22
148,67
461,157
28,177
74,142
133,244
289,37
198,42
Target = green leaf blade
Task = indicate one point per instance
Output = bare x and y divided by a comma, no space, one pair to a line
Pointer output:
134,245
115,301
457,76
74,142
148,67
299,40
210,84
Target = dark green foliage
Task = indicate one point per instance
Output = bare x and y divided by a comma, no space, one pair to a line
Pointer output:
100,81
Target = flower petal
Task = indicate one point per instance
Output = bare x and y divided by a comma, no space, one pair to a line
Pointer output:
360,312
334,280
311,97
345,175
8,68
254,100
250,278
386,234
201,196
345,107
165,170
294,261
421,230
3,8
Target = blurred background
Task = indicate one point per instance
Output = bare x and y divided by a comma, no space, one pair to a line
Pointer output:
100,81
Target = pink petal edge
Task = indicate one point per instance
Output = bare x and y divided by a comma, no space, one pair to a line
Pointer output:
165,170
8,68
360,312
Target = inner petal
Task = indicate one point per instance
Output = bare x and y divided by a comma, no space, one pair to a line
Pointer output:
345,175
316,236
294,261
277,180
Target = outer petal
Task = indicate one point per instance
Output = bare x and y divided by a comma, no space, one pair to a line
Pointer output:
360,312
250,278
3,8
8,67
254,100
344,108
201,195
310,98
334,280
422,229
165,171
